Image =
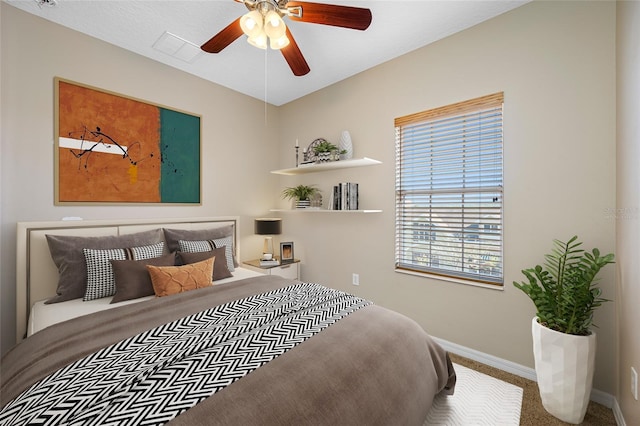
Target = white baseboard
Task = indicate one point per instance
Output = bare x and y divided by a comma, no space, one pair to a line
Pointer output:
600,397
493,361
617,414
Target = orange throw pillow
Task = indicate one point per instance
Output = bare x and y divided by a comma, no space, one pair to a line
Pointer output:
168,280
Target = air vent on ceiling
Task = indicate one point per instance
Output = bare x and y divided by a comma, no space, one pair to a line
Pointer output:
177,47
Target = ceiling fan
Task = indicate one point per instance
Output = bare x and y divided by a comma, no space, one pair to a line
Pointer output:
263,23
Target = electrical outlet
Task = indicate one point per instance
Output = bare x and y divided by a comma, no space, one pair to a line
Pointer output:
355,279
634,383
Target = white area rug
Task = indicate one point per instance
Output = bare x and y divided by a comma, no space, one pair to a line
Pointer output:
478,400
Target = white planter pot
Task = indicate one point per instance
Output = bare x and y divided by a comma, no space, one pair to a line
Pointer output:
564,369
345,144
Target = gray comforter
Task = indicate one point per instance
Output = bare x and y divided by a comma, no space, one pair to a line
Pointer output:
374,366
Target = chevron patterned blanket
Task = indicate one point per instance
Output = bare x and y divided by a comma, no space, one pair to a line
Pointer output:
369,365
153,376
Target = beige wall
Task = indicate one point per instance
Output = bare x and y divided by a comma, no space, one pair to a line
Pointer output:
237,149
555,62
628,203
1,185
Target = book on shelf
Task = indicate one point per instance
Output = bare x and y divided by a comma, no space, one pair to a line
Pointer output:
272,262
344,197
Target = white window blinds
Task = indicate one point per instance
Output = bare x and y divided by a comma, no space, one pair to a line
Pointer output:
449,191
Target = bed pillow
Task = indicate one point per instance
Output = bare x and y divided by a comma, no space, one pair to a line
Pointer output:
66,252
208,245
132,277
220,268
100,282
173,236
168,280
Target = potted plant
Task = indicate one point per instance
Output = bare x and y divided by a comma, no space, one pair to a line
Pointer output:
301,194
324,150
565,296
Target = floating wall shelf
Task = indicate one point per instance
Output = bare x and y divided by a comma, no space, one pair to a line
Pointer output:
329,165
323,211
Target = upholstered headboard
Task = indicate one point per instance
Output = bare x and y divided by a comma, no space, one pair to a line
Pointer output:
37,275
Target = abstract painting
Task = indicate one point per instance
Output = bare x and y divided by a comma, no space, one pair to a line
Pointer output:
115,149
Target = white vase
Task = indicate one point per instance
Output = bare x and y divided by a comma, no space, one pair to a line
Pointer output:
564,370
345,145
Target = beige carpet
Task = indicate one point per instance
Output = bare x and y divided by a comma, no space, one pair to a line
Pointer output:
532,412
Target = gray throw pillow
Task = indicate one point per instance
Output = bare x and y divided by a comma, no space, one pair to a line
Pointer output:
173,236
220,268
132,277
66,252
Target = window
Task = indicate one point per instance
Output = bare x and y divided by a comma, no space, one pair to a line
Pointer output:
449,191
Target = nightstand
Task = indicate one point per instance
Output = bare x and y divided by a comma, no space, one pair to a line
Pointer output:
287,270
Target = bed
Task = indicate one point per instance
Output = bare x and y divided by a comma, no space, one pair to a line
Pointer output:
249,349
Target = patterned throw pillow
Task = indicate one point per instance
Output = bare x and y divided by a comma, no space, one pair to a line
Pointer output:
196,246
168,280
208,245
100,281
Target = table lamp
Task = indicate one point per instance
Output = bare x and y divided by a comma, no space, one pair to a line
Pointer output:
268,226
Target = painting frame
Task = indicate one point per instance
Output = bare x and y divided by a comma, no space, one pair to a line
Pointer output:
158,149
286,252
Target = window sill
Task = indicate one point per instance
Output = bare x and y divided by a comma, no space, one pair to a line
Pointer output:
451,279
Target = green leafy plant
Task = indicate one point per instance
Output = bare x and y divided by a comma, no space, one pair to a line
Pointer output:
564,290
300,192
324,146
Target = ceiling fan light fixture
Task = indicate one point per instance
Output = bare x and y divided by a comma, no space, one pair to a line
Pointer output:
259,40
264,27
274,26
251,23
279,43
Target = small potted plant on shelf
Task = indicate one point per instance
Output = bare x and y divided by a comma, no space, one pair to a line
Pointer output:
300,194
565,297
325,151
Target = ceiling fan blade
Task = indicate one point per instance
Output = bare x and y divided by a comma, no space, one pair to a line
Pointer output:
294,58
224,38
356,18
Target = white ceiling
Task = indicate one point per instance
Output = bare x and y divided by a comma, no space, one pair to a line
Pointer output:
332,53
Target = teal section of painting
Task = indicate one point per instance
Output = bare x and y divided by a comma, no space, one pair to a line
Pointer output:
180,150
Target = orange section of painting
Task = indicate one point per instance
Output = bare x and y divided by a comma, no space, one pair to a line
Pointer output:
133,174
103,119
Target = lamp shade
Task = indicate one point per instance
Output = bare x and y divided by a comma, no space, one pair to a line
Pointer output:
259,41
251,23
277,44
268,226
274,25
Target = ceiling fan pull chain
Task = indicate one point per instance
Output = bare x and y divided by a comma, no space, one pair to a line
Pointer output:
266,80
